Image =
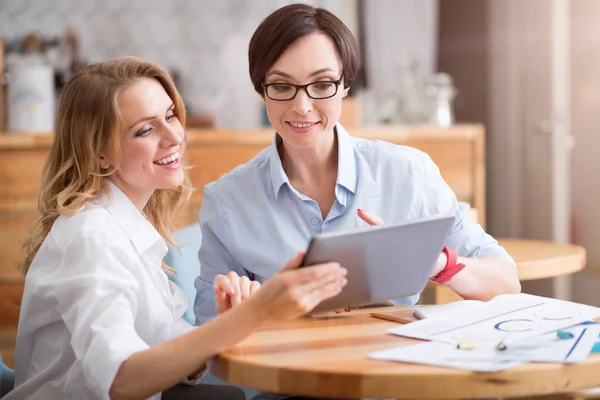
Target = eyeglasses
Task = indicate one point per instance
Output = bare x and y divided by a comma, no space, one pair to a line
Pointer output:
315,90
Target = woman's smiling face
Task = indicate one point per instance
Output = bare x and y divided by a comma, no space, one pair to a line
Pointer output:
150,142
304,122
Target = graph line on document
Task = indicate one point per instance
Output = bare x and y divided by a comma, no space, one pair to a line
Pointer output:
487,319
516,325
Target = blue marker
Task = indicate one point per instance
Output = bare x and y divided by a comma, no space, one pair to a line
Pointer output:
564,335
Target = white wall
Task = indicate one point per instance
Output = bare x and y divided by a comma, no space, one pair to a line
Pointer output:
585,67
399,32
205,40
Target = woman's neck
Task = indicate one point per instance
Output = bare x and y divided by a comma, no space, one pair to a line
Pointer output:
313,164
139,199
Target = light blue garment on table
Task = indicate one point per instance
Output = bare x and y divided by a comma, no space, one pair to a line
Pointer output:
253,221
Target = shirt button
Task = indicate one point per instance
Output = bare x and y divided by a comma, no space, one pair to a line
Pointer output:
315,221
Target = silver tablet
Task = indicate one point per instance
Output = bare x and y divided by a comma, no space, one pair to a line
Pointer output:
384,262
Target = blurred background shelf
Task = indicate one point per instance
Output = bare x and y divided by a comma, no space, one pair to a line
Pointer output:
457,150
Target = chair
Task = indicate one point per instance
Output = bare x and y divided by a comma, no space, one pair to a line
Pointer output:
7,378
185,262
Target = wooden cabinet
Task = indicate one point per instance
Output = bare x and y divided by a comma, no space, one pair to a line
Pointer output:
2,105
458,151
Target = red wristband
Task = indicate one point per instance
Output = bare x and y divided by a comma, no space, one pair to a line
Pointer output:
451,268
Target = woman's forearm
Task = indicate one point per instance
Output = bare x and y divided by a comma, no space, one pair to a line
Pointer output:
485,278
151,371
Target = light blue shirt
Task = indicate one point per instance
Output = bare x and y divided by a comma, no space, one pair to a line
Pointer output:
253,221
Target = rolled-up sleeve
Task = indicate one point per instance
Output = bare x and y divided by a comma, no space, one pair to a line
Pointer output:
93,291
467,237
214,259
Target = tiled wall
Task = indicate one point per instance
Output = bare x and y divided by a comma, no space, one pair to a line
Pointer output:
204,40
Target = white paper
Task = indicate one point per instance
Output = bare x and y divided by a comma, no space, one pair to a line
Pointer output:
507,317
441,355
545,348
486,358
443,310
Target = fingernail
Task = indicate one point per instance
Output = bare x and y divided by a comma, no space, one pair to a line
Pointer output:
343,271
360,209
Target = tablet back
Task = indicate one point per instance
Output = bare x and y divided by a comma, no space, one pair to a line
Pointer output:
384,262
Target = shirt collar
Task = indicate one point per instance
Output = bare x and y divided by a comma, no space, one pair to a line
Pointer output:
278,176
346,162
142,233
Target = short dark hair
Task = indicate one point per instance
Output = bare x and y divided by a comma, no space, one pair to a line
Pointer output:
288,24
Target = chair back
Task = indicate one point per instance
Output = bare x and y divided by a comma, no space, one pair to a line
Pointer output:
185,262
187,265
7,378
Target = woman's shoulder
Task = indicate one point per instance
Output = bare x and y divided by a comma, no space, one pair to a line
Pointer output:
381,151
93,221
76,246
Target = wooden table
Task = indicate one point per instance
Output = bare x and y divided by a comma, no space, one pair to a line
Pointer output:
327,357
540,259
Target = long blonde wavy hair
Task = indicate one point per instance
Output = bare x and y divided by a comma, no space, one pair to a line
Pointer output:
88,121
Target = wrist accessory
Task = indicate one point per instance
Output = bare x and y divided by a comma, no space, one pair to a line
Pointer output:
451,268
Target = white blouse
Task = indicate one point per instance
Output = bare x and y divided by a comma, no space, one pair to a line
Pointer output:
94,295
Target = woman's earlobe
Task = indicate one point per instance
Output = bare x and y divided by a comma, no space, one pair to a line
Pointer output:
346,91
103,162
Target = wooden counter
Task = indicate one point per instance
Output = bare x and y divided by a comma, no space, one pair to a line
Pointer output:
458,151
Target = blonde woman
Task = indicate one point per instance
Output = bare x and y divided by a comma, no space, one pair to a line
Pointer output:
99,317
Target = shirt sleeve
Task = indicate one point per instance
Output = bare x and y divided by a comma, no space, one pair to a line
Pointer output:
214,259
93,291
180,306
467,237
